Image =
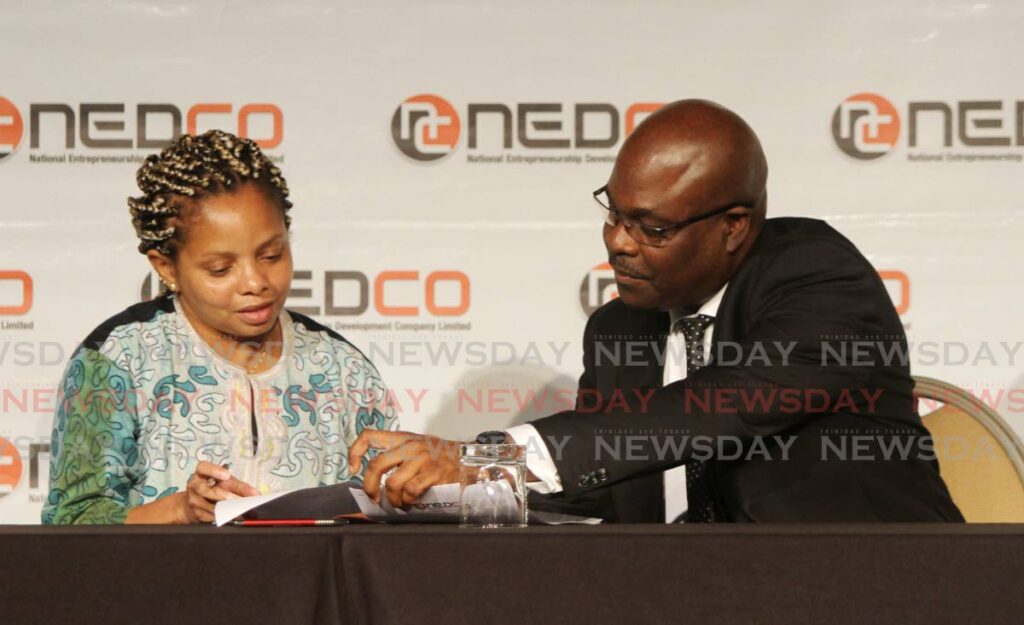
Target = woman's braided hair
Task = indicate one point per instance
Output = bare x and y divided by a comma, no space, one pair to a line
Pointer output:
189,168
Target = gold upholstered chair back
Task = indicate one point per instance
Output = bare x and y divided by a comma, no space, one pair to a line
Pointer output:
980,458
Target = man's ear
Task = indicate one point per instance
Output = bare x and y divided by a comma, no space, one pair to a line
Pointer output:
738,229
164,267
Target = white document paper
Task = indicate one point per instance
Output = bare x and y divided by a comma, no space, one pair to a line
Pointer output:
439,504
230,509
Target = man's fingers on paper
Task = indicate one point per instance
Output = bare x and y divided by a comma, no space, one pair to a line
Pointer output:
418,453
396,483
357,450
419,483
374,470
381,465
375,439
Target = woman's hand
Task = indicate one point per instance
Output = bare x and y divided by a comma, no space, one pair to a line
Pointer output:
208,485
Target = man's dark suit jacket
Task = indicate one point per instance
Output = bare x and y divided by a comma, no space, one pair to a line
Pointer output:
850,457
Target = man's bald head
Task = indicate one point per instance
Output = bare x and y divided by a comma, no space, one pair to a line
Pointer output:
688,159
698,141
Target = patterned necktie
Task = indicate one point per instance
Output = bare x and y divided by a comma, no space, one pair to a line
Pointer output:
699,495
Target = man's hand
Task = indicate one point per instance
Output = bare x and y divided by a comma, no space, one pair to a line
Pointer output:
419,461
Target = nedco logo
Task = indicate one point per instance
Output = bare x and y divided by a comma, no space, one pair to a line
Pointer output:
598,288
10,467
15,281
425,127
866,126
16,294
428,127
11,128
115,127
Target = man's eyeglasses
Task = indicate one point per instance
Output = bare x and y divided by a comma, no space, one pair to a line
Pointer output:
646,234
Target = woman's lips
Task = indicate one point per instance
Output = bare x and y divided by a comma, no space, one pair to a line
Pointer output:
257,316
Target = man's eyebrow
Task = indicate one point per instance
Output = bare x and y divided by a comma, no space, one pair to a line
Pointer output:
642,214
639,214
630,212
636,213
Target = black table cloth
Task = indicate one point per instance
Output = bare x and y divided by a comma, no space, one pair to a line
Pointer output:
786,574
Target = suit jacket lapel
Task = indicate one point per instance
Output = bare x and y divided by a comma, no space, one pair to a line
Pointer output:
648,332
641,499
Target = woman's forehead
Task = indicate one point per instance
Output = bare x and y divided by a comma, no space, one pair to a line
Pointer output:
246,217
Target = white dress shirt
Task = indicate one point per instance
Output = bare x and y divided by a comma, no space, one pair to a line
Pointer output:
538,457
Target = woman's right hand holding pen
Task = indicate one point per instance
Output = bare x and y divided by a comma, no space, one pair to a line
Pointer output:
209,484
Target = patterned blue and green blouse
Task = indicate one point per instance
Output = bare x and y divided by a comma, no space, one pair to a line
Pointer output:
145,399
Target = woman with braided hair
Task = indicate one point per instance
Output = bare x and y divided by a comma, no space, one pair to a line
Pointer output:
212,390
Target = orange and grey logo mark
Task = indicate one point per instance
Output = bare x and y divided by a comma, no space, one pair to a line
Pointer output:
638,112
865,126
10,467
598,288
898,285
11,128
425,127
25,304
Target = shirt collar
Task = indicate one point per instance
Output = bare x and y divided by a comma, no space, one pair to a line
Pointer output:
709,308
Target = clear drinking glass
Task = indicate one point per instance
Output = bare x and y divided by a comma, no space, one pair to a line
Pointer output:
492,486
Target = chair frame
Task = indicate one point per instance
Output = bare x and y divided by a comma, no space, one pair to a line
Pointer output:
951,395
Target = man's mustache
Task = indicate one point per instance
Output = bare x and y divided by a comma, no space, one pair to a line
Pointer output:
626,269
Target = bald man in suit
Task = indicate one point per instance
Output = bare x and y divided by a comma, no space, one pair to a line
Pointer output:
796,429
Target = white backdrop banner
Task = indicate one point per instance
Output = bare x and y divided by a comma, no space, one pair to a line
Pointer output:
441,158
